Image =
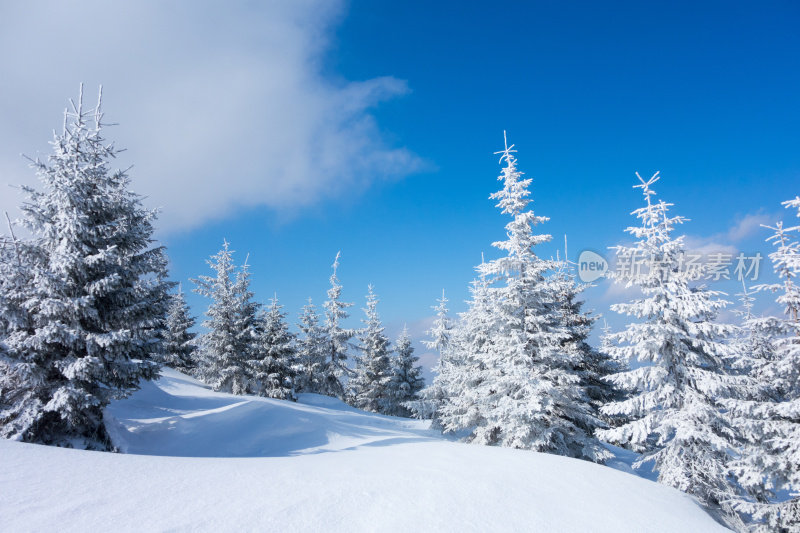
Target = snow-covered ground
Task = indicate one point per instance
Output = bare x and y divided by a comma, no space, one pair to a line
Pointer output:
200,460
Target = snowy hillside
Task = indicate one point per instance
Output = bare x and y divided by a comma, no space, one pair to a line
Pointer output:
209,461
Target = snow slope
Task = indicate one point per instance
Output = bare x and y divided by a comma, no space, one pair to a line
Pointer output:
200,460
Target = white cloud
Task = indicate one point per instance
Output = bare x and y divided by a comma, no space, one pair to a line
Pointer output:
749,225
706,246
220,105
619,292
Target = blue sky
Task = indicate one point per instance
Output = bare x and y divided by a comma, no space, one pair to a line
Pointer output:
297,129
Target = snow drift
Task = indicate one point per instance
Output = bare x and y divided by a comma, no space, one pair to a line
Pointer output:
200,460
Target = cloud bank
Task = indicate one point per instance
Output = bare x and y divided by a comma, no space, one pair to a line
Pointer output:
221,106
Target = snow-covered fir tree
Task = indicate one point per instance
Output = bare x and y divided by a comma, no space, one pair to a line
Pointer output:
605,338
406,377
14,279
273,367
754,415
179,341
431,397
533,397
88,322
770,462
441,328
593,366
233,338
753,345
313,367
337,337
527,392
673,416
369,386
18,366
786,264
463,362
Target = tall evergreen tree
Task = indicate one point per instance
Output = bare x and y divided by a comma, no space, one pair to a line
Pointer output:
673,417
313,367
406,377
369,387
20,405
529,393
770,462
337,337
441,329
754,350
786,264
273,367
88,322
233,338
431,398
179,343
14,279
462,364
593,366
605,338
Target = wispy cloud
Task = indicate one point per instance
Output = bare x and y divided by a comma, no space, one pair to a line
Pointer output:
221,106
706,246
749,225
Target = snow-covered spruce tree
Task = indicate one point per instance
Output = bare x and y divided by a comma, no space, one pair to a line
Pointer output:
753,345
273,367
770,462
594,366
179,342
337,338
312,366
369,387
18,369
440,331
753,414
786,264
231,319
406,377
431,397
14,278
530,395
94,305
605,338
673,416
462,365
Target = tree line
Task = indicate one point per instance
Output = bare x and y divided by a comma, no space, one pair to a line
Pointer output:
713,407
87,311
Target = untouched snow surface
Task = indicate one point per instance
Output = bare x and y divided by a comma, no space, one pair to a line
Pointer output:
200,460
